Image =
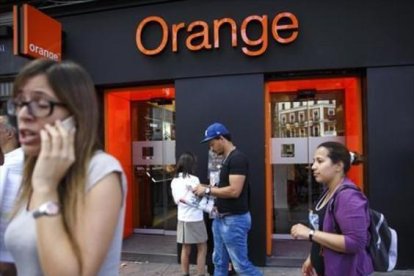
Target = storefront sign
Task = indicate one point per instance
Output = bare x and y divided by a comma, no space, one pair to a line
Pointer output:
36,34
283,28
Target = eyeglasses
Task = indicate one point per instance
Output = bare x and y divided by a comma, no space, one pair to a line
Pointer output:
39,108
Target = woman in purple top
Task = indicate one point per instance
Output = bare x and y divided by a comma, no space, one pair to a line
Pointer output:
333,251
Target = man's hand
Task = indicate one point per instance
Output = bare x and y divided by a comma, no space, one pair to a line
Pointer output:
200,190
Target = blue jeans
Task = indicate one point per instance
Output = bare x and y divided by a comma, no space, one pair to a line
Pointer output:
230,241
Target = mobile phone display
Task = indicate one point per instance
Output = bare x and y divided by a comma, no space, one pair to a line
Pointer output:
68,123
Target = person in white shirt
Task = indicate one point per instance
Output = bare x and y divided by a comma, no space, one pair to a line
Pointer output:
10,178
190,226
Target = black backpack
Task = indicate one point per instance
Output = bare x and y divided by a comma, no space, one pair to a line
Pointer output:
382,246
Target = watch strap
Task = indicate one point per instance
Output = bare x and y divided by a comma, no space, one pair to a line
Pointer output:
311,233
49,208
37,213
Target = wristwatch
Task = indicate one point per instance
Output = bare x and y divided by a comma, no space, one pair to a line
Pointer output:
207,191
311,233
49,208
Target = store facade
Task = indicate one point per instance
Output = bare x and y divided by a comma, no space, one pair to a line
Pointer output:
282,75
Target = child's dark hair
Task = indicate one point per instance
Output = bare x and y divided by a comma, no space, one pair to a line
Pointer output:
186,164
337,152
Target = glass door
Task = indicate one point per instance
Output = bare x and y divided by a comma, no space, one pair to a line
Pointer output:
153,149
140,133
301,114
300,122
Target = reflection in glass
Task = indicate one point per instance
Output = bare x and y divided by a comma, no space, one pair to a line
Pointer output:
298,126
154,160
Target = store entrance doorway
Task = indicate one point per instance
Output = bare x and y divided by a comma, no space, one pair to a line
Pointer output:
140,132
302,121
301,115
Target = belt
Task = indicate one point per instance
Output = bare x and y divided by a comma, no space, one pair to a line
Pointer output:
217,214
222,215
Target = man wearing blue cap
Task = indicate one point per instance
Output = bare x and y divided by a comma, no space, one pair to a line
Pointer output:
233,221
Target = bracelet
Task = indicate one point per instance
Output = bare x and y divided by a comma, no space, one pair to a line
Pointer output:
311,233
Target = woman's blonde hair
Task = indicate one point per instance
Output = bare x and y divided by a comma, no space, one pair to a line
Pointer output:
73,87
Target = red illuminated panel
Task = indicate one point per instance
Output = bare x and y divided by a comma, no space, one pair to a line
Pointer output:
42,35
118,143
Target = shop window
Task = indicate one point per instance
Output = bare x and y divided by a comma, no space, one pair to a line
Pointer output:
301,116
315,131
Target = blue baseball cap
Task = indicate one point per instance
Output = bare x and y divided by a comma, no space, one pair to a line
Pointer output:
213,131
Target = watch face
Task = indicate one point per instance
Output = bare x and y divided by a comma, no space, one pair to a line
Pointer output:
51,208
47,209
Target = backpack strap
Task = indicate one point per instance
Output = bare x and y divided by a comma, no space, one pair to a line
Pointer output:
331,206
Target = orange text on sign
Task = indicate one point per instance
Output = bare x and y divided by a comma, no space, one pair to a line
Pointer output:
283,28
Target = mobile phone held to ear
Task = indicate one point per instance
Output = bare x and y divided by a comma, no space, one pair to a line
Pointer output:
68,123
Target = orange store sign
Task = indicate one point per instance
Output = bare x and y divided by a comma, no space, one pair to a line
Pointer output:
36,34
284,29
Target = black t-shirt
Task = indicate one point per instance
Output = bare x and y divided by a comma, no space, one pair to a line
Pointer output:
316,249
236,163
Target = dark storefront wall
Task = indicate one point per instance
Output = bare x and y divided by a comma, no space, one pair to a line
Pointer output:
237,102
332,35
9,64
390,159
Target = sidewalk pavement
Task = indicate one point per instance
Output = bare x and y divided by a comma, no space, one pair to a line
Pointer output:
168,269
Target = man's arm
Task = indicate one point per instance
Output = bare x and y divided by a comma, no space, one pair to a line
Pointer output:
232,191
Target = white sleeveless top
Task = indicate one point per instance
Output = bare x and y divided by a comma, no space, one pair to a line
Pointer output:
20,235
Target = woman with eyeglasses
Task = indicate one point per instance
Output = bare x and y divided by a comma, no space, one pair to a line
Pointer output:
70,212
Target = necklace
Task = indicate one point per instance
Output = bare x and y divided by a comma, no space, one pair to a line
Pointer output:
225,158
326,197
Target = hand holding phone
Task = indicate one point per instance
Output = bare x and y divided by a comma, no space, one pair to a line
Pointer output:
68,123
51,168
